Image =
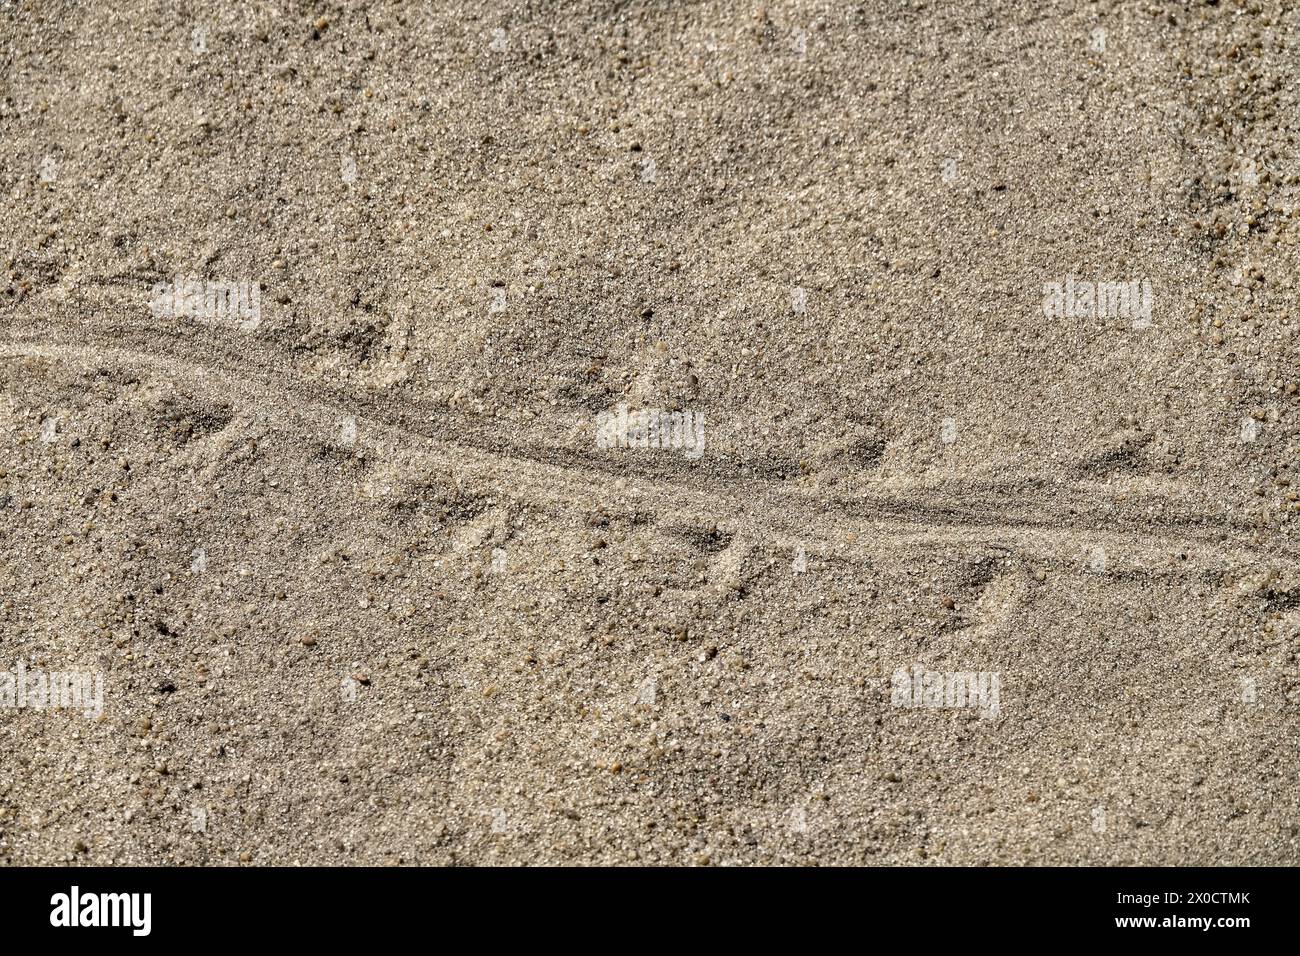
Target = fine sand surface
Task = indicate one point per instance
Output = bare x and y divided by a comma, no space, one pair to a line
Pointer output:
361,584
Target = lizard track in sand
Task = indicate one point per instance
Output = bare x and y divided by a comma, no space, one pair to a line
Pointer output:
764,510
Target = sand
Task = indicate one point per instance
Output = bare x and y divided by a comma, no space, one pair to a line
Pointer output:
366,577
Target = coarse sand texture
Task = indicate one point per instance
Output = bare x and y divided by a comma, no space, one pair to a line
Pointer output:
649,433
